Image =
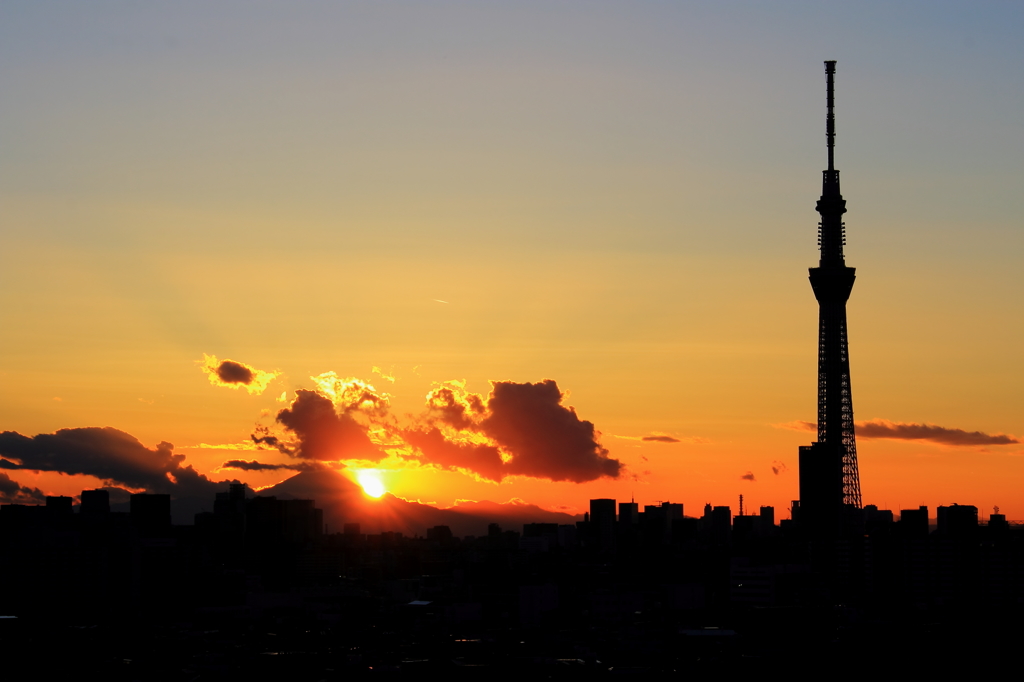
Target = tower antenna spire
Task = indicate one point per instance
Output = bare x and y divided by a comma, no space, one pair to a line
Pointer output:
830,119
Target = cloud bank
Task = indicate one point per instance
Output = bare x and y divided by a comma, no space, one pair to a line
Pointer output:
110,455
13,493
519,429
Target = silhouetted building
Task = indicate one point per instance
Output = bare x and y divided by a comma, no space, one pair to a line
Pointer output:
829,479
914,522
270,520
602,524
95,502
150,512
998,522
957,519
61,505
629,513
720,525
439,534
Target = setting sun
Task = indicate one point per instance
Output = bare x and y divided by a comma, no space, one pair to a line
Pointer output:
369,479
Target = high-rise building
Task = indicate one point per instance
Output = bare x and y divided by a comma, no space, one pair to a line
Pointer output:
95,502
602,522
829,479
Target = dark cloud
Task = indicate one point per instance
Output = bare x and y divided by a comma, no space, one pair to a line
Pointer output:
108,454
246,465
545,438
231,372
661,439
13,493
322,432
778,467
234,374
531,432
881,428
484,460
749,476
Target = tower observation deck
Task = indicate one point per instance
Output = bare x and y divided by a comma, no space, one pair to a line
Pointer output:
829,479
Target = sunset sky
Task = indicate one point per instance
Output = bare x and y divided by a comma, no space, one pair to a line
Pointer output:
615,197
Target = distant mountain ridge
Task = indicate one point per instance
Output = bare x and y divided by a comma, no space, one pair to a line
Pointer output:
343,501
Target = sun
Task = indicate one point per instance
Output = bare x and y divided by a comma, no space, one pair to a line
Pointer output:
369,479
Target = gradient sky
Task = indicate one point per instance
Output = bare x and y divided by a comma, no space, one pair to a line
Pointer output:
616,196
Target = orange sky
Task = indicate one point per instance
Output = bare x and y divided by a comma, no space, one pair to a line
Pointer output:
622,202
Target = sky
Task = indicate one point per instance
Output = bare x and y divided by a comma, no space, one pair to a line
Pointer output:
463,199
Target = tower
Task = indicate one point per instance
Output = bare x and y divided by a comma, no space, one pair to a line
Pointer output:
829,480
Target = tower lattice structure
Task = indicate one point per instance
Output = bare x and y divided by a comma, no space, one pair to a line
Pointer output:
829,478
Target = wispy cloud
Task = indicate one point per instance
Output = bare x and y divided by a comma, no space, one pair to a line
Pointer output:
658,437
883,428
252,465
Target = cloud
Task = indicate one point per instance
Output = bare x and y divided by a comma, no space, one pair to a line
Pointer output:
883,428
253,465
108,454
749,476
13,493
545,438
235,374
523,429
389,376
481,459
778,467
322,432
658,438
797,426
451,405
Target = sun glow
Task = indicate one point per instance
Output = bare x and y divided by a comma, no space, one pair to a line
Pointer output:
369,479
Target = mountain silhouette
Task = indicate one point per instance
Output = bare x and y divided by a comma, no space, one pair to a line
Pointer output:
344,501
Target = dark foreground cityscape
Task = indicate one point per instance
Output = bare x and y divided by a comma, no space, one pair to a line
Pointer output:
256,588
259,589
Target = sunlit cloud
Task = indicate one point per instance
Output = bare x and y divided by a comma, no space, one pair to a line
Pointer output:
244,445
389,376
351,394
518,430
521,429
233,374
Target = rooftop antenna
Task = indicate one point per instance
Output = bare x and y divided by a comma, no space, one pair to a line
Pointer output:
741,505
